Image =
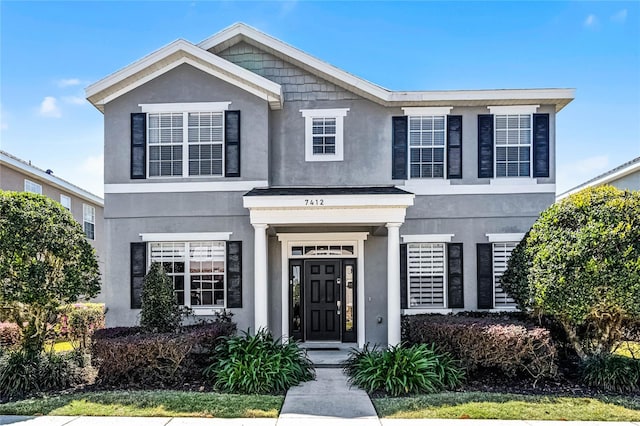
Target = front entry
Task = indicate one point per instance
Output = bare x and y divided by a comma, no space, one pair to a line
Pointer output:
323,299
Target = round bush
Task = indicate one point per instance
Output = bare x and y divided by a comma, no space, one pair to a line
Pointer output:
400,370
258,364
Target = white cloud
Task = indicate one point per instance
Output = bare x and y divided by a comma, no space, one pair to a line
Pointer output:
620,17
591,21
573,174
75,100
49,107
66,82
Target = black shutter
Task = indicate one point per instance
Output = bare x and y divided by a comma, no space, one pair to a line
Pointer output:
454,147
455,283
399,154
540,145
138,145
403,276
138,271
234,274
485,146
232,143
485,276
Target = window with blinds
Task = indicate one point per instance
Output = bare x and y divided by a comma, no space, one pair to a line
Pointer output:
501,255
324,135
89,221
426,146
197,270
513,145
426,274
29,186
206,136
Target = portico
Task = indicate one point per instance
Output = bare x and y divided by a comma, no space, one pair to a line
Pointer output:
323,273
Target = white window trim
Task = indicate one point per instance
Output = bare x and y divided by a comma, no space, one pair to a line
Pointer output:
513,237
163,237
185,107
197,310
513,109
445,282
427,238
35,185
84,219
309,115
65,197
409,111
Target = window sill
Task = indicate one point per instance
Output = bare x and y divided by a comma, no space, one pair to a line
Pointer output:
207,311
513,181
418,311
323,158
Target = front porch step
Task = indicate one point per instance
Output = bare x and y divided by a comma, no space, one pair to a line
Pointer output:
328,354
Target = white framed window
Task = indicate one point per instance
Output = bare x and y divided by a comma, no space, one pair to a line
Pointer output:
427,141
197,270
89,221
65,201
29,186
513,145
324,134
185,140
501,254
426,275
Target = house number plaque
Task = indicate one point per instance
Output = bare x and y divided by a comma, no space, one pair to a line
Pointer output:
314,202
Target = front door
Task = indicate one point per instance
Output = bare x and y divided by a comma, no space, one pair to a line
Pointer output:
322,299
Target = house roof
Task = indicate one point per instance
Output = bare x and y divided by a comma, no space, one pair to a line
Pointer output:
616,173
316,190
31,170
204,56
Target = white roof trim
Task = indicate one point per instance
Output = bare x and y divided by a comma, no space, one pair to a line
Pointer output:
50,179
607,178
222,68
428,238
186,236
506,238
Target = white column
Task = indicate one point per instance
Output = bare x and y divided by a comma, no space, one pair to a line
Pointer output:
261,311
393,283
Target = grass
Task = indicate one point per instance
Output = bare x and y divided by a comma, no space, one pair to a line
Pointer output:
149,404
481,405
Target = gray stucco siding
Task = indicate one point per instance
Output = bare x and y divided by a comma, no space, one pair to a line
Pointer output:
630,182
181,85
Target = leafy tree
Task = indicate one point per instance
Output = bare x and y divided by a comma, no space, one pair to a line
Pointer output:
160,310
45,262
581,265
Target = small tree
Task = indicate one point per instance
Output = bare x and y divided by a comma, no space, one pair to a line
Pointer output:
160,310
581,265
45,262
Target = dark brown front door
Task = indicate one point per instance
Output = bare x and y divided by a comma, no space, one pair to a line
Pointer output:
322,299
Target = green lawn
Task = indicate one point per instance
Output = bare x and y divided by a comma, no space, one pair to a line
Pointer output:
149,404
480,405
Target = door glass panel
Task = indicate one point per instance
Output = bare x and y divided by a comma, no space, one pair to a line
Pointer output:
295,298
348,298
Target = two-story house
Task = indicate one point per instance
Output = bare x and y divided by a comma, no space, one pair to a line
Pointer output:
307,200
86,208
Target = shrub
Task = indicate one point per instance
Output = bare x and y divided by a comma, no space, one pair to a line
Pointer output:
23,373
258,364
160,310
612,373
78,322
9,335
403,369
129,356
510,346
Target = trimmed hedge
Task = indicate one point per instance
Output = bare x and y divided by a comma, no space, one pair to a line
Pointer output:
504,344
9,335
128,356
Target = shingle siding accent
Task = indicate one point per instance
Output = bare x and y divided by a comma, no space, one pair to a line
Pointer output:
297,84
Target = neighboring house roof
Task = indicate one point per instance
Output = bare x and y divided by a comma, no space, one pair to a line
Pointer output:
27,168
619,172
354,190
203,56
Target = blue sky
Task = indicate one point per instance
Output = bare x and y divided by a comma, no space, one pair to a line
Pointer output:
50,51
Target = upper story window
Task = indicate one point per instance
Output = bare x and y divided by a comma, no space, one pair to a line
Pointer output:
65,201
197,270
29,186
324,134
89,221
426,146
186,140
513,145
